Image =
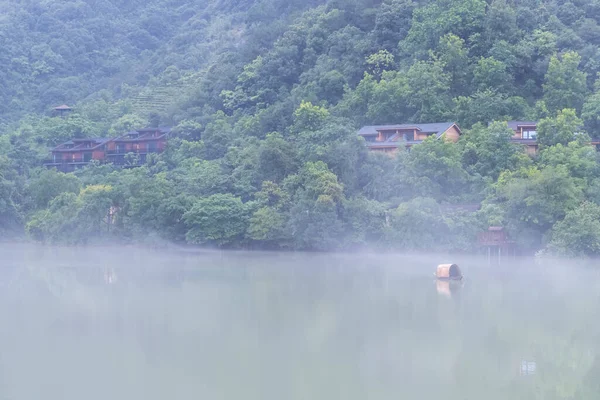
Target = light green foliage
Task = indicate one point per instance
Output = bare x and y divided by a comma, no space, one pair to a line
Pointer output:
579,233
454,56
432,21
218,219
47,184
487,151
560,129
565,85
429,86
488,105
126,123
538,198
268,223
434,169
492,74
74,218
591,111
381,61
580,159
314,221
217,135
309,118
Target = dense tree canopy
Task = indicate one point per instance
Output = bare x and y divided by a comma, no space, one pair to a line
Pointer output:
265,98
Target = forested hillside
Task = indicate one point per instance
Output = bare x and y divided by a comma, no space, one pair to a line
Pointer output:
266,97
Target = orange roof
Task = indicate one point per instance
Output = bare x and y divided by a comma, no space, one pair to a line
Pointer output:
64,107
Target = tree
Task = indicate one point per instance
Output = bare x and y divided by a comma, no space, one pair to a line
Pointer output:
435,19
381,61
428,87
9,209
364,220
416,225
591,111
578,234
268,223
580,159
488,151
560,129
188,130
538,198
48,183
220,219
217,136
454,56
314,222
565,86
74,218
277,158
434,169
308,117
492,74
392,23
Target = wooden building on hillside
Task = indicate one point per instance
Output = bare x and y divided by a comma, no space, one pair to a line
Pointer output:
140,142
77,153
525,133
389,138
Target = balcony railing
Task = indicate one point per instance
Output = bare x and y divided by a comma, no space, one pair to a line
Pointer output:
68,161
119,152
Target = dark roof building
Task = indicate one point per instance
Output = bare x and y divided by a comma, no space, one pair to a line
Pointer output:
76,153
388,138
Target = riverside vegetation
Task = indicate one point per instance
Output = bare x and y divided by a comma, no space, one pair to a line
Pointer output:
265,98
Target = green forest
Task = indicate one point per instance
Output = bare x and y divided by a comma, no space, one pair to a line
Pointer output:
265,99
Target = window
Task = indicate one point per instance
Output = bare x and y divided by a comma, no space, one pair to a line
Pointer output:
529,134
87,156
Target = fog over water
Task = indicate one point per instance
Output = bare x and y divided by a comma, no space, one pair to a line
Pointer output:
124,323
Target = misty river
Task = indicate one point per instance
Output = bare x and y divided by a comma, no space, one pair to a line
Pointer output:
127,323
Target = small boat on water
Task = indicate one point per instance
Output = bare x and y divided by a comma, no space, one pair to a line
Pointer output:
448,272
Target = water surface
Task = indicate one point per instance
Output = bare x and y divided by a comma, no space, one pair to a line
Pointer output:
121,323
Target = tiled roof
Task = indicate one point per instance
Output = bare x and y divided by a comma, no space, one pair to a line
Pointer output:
437,128
77,144
434,128
514,125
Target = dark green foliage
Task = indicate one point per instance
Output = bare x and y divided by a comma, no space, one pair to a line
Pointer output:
265,99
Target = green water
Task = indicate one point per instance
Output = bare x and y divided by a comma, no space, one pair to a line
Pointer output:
138,324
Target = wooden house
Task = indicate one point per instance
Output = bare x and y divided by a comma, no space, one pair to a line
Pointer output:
140,142
496,241
389,138
525,133
76,153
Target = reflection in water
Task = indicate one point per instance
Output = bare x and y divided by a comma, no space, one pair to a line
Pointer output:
138,324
